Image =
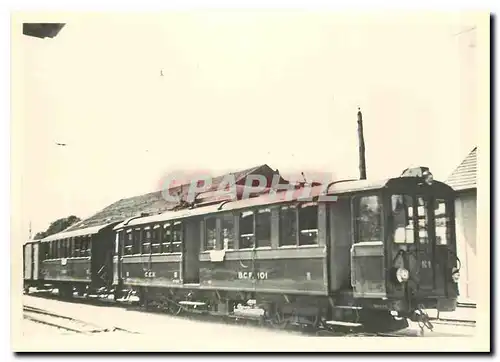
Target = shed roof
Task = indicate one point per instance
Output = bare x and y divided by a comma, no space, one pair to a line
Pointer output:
464,177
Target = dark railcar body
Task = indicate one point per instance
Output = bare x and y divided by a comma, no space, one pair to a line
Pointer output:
341,263
81,258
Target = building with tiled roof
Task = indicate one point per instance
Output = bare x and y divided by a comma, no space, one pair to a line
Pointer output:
464,181
464,176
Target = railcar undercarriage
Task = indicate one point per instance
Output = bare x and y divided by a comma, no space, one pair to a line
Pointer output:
280,311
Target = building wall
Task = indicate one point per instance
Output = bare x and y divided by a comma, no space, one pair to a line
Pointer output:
465,208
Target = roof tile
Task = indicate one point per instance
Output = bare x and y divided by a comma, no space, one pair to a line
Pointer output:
465,175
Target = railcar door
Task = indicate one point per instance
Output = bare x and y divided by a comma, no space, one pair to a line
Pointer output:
36,260
190,252
425,264
415,236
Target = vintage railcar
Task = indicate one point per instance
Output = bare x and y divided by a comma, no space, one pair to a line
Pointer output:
32,257
79,259
378,252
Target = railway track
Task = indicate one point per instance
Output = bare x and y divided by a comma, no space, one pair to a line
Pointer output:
230,320
64,323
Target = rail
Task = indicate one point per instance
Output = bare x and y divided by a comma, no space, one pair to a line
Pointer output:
66,323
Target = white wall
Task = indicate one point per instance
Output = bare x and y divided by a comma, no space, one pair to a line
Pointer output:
465,208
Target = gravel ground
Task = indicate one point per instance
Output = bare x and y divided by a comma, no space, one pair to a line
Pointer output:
158,332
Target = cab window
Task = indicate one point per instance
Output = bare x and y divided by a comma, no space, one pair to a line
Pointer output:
368,218
442,220
402,219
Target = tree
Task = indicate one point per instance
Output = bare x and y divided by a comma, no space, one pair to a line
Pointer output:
58,226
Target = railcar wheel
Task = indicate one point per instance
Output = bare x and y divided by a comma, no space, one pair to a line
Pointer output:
278,320
174,308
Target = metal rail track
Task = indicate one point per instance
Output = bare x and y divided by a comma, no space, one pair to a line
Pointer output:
207,317
66,323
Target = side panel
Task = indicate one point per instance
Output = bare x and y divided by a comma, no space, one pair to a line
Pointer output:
287,270
368,276
27,262
152,270
73,269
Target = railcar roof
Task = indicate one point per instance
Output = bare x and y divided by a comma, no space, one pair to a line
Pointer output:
73,233
337,188
32,241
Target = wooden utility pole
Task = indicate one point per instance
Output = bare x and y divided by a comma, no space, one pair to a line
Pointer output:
362,163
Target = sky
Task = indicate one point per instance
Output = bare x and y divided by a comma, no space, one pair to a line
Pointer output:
239,88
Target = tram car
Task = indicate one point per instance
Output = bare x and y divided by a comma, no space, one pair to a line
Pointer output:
355,254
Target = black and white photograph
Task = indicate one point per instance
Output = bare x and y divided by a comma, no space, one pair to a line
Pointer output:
250,180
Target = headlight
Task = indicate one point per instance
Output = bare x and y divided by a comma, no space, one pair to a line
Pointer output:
402,275
455,275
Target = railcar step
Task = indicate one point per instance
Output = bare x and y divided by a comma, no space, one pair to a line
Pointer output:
347,307
343,324
187,302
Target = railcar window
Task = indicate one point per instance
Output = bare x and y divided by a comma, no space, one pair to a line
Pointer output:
64,247
423,219
177,237
156,240
69,246
121,242
76,250
137,241
89,247
402,216
246,230
227,231
210,233
288,225
263,228
146,241
369,218
129,243
166,245
308,223
46,250
83,246
442,220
